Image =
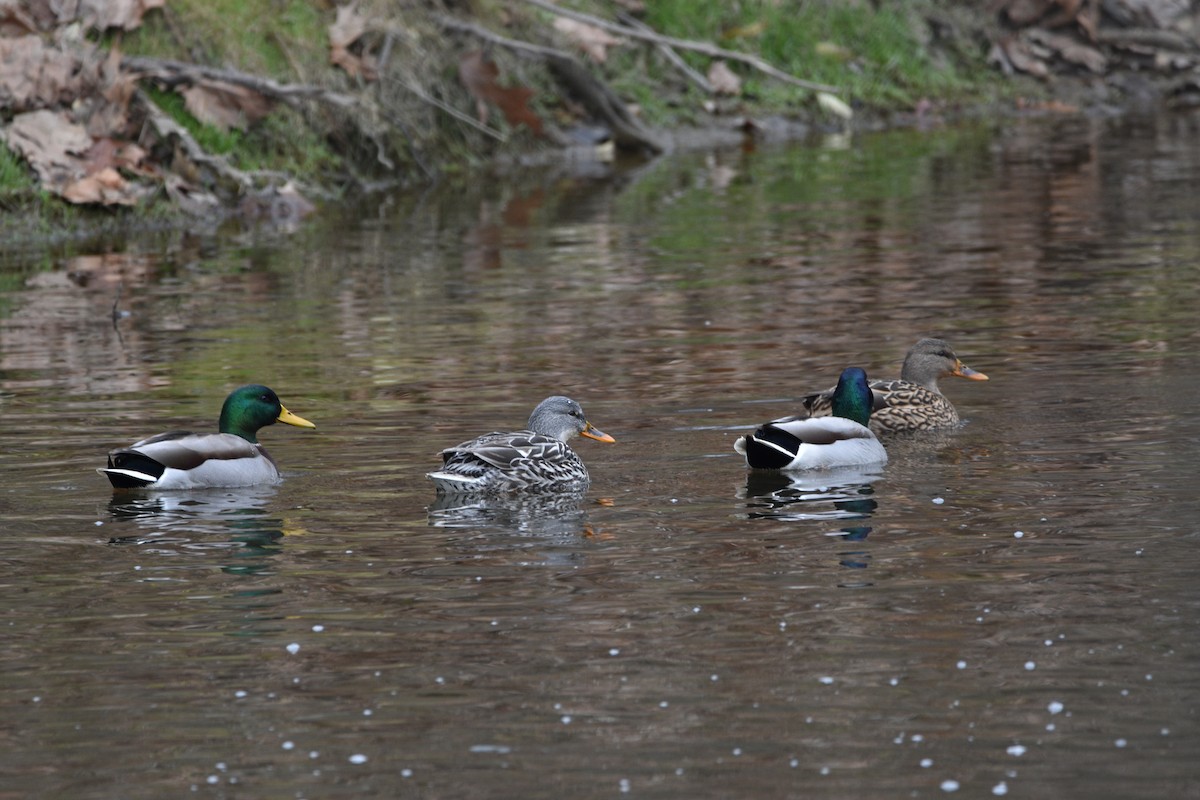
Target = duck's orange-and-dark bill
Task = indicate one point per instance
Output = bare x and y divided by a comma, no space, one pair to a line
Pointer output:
289,418
963,371
593,432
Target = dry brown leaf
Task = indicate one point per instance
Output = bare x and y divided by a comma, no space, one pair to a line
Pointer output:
1019,57
112,153
33,75
58,150
1070,50
588,38
226,105
348,26
106,187
101,154
51,143
347,29
723,79
478,74
1048,14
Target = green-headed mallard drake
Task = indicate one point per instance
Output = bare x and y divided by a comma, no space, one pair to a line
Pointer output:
184,460
535,459
914,402
841,440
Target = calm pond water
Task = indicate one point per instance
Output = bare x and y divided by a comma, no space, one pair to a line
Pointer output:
1008,608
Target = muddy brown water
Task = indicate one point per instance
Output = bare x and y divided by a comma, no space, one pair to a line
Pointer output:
1010,607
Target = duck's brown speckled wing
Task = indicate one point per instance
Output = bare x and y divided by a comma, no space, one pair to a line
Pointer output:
899,406
514,461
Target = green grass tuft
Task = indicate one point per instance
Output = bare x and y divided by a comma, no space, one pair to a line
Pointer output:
14,175
878,56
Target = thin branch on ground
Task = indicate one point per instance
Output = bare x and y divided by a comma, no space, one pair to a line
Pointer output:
172,72
528,48
670,54
466,119
166,127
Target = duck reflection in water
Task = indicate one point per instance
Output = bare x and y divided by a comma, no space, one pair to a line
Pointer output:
546,514
552,524
826,494
200,521
839,494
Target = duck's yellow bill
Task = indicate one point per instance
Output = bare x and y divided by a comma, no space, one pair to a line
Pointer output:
289,418
963,371
593,432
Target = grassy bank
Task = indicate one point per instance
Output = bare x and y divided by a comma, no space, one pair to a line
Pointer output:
880,59
423,122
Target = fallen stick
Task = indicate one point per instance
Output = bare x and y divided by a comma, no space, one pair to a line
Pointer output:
670,54
166,127
172,72
466,119
684,44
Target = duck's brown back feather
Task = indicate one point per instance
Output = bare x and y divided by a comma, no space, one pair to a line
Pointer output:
899,406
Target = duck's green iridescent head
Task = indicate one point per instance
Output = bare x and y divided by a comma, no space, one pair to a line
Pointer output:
853,398
249,408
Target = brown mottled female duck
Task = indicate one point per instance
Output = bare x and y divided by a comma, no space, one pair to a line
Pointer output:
914,402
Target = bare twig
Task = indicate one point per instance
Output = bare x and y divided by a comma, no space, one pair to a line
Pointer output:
526,48
670,54
168,128
117,313
170,72
454,112
684,44
384,56
286,49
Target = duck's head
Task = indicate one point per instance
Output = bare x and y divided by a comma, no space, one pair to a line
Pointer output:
853,397
250,408
930,359
562,418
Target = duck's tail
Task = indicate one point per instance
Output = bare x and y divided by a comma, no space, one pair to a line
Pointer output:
451,483
127,478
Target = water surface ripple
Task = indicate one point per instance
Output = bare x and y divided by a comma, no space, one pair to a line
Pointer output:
1009,607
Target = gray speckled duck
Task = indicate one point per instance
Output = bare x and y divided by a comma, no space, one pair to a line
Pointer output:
535,459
